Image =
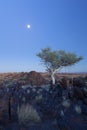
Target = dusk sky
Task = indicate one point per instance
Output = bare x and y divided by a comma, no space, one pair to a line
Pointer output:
59,24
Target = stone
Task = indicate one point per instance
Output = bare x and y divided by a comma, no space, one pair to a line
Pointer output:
78,82
35,78
78,93
63,125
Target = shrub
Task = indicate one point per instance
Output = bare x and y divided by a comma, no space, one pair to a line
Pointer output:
66,103
78,109
28,91
39,98
27,114
23,99
34,90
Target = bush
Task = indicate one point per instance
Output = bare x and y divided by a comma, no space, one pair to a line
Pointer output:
27,114
78,109
39,98
66,103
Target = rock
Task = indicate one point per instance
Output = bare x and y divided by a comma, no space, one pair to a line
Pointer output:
64,82
63,125
52,103
36,78
78,93
78,82
56,91
85,101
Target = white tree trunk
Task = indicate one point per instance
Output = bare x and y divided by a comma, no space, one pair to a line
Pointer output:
53,75
53,79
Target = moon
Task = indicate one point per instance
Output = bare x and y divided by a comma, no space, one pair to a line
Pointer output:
28,26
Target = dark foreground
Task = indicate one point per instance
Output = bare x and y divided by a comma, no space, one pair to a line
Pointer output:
45,107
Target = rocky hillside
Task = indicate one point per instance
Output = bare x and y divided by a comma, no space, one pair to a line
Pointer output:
29,102
35,78
23,78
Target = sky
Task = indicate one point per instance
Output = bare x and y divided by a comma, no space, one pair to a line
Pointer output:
59,24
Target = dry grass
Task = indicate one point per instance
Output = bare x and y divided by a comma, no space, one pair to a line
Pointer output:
27,114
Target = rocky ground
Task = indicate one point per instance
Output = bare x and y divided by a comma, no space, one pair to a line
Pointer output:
41,106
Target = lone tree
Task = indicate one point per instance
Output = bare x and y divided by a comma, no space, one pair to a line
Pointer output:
56,60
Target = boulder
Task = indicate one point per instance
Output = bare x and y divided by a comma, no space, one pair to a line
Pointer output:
78,93
78,82
35,78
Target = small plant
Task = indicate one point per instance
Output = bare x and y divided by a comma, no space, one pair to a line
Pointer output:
34,90
23,99
28,91
85,89
27,114
78,109
39,98
66,103
38,92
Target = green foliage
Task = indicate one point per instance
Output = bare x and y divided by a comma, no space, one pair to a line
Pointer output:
56,59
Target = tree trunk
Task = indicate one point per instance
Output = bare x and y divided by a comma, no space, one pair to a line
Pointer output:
53,75
53,79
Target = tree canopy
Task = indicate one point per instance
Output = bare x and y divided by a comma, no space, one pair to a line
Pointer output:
56,59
